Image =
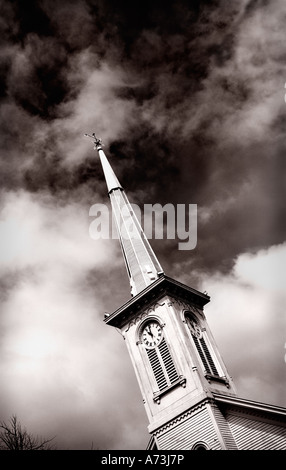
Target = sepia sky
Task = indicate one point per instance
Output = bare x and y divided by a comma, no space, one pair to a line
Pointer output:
188,98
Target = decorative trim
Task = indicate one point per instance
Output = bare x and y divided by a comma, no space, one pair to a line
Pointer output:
182,417
157,395
159,288
185,306
143,314
152,308
216,378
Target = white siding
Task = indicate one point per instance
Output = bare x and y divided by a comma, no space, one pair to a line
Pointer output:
224,429
252,434
182,435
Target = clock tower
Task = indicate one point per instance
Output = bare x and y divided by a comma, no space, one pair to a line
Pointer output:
188,394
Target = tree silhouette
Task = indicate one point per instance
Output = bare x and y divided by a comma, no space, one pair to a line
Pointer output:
14,437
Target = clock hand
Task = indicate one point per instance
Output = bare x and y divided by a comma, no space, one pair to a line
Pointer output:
150,332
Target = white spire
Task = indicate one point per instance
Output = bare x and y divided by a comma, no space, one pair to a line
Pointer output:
142,265
110,178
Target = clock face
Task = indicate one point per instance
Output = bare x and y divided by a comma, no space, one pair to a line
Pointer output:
152,334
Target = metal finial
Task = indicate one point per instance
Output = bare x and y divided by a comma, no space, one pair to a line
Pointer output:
97,142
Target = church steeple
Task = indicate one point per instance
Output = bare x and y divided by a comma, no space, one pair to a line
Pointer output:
188,394
142,265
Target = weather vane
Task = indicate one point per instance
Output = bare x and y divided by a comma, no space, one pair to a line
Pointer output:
97,142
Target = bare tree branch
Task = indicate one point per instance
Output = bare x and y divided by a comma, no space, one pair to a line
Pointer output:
14,437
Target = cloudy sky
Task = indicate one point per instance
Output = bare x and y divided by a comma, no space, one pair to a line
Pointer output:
189,99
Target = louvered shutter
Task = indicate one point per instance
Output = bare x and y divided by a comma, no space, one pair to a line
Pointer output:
201,353
168,361
162,365
157,368
208,357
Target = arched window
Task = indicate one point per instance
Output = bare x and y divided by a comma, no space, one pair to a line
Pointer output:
200,446
201,346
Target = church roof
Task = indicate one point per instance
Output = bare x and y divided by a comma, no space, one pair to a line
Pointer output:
162,286
243,404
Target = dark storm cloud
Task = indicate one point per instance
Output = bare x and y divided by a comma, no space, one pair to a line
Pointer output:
208,119
189,74
188,98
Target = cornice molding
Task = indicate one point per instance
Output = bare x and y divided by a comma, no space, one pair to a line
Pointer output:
241,405
152,295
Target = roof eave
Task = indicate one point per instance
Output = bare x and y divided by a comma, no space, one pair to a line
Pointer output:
162,285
